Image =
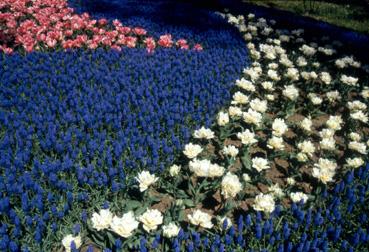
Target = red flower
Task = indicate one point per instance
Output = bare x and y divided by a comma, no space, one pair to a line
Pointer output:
102,21
125,30
139,31
116,22
165,40
198,47
36,24
150,44
131,41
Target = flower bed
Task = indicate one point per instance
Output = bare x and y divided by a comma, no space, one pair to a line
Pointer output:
48,25
339,223
94,155
77,125
296,123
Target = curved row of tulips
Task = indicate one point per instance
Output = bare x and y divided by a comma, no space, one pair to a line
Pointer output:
297,122
41,25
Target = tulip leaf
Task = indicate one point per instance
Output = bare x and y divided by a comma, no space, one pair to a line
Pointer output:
246,161
132,204
188,203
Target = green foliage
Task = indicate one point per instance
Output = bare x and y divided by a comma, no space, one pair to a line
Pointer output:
342,14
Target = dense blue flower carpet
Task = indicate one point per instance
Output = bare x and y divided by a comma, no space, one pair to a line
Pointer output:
74,123
216,133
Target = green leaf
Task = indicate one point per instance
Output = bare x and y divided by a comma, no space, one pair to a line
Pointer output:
181,216
246,161
188,203
154,199
181,193
132,204
111,238
140,210
98,239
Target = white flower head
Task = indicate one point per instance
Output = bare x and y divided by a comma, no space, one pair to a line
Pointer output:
291,92
273,75
174,170
230,185
279,127
333,96
259,105
326,51
334,122
306,147
67,242
354,162
235,111
252,117
151,219
315,99
260,164
247,36
356,105
200,218
264,203
276,191
325,78
357,146
308,50
273,66
323,174
246,177
291,181
203,133
299,197
360,116
223,118
204,168
101,220
254,72
306,124
125,225
192,150
246,85
301,61
326,133
240,98
276,143
145,179
247,137
328,143
365,93
355,136
270,97
340,63
288,63
268,85
302,157
170,230
316,64
349,80
292,74
230,150
326,164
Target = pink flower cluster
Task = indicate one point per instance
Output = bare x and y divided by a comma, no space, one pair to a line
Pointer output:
51,24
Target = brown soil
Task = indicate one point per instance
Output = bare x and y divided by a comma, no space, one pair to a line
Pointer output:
236,143
319,121
164,204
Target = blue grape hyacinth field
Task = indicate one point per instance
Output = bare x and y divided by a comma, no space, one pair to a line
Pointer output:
155,125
